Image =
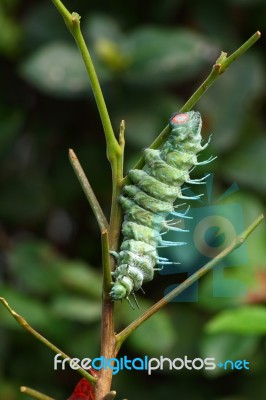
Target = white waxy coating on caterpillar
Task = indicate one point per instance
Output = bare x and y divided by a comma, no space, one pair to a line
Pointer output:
149,200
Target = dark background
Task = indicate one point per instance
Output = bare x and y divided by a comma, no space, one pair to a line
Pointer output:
150,58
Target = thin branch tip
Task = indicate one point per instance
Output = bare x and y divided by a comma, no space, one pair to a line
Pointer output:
95,206
122,137
34,393
72,154
110,396
24,324
220,66
75,16
221,57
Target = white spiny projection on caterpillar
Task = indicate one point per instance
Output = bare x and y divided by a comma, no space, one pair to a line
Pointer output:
150,200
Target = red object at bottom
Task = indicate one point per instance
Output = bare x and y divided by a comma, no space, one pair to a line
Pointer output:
84,389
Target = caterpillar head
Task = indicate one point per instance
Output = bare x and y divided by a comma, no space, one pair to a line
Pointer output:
184,118
186,132
121,288
186,121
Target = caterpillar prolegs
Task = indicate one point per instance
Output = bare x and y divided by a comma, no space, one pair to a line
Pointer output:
149,200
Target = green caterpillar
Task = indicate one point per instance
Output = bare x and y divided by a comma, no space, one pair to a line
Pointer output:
149,200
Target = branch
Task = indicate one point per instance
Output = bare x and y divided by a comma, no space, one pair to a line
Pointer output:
114,148
116,213
96,208
73,23
42,339
239,240
107,278
220,66
34,393
107,331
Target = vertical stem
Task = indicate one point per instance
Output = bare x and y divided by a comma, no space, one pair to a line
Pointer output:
94,81
115,156
107,278
117,161
108,340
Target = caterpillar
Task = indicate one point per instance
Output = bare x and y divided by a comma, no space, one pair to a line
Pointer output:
149,200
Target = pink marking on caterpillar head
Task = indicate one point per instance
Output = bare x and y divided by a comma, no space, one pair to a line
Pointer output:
179,119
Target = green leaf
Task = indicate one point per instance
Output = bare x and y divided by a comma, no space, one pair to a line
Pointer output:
228,346
10,37
76,308
82,278
35,312
87,340
236,91
108,42
11,122
34,266
244,320
166,55
156,336
224,346
57,69
24,200
99,26
39,269
248,173
236,279
42,25
252,207
8,391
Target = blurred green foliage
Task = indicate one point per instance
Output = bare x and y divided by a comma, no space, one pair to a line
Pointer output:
150,57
